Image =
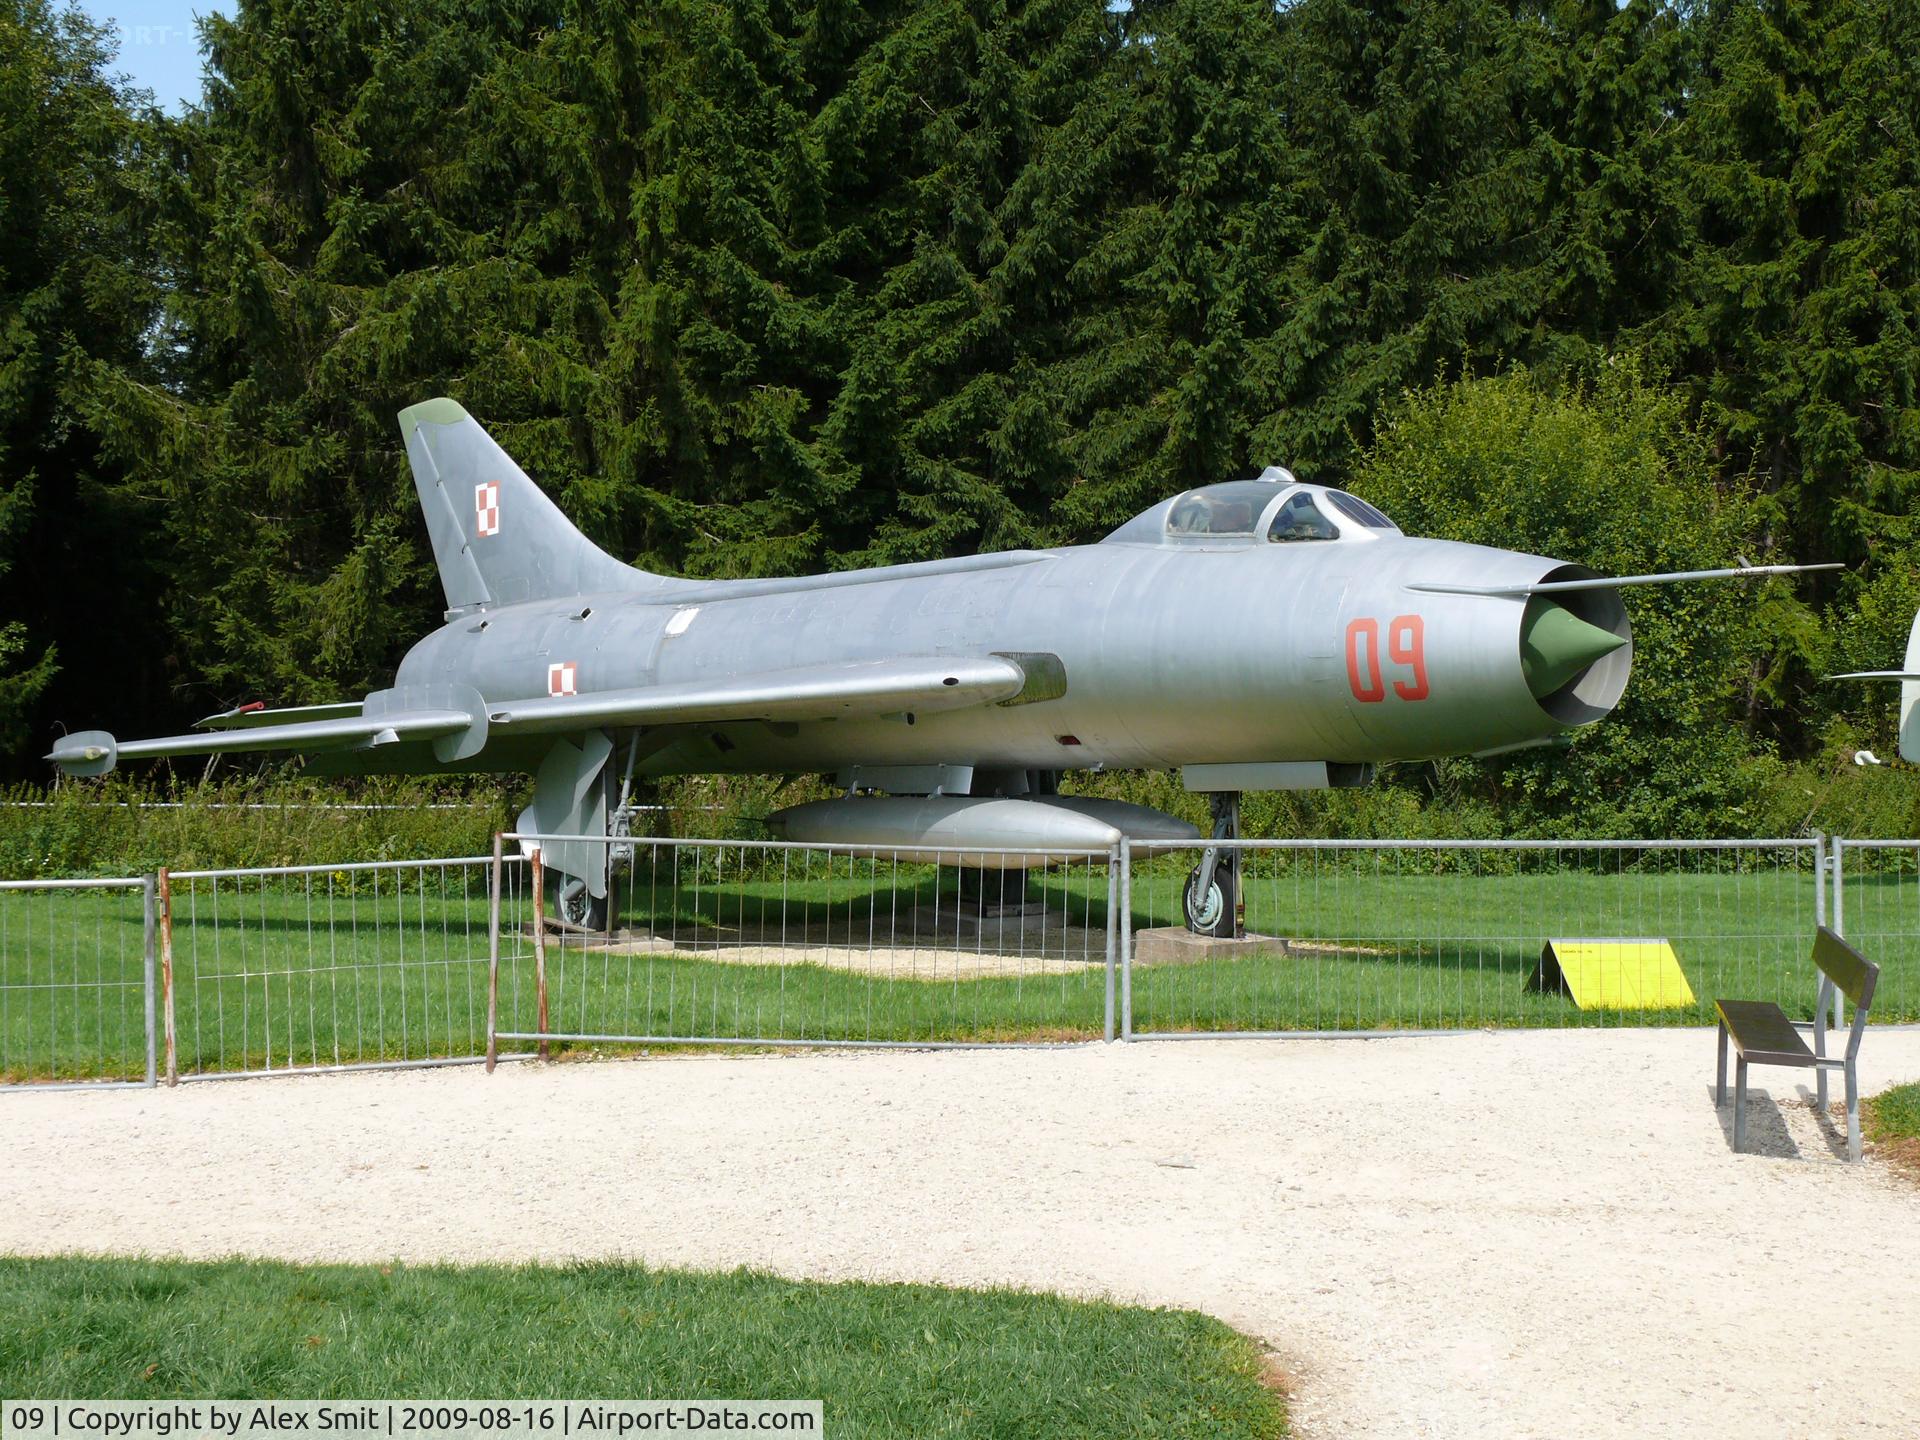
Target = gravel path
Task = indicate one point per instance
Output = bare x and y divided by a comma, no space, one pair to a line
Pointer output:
1494,1234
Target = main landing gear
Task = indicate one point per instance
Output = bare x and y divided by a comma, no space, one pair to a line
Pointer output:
570,906
1211,900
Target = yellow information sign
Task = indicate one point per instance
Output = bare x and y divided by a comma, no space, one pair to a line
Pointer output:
1624,974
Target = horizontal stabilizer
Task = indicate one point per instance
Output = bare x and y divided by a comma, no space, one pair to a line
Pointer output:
1611,582
813,692
1877,675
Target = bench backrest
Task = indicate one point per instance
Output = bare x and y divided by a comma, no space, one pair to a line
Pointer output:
1845,969
1850,971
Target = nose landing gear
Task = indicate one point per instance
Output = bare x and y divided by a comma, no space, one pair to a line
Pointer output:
1211,900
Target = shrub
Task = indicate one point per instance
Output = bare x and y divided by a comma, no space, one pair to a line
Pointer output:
1610,474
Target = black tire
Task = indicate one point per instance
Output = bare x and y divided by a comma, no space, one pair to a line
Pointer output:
568,903
1213,913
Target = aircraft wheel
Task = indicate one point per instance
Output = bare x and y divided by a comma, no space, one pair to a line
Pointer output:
569,902
1211,913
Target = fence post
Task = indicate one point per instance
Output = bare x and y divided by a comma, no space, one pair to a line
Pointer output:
1819,878
147,893
1126,937
1838,909
165,886
493,954
1113,941
540,944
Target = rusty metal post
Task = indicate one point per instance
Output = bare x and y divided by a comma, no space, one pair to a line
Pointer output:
166,973
540,944
493,955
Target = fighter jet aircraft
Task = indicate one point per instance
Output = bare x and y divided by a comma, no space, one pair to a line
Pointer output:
1255,634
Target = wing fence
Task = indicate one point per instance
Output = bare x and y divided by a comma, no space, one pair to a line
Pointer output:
205,974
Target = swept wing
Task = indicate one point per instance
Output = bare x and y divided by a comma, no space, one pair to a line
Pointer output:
814,692
459,720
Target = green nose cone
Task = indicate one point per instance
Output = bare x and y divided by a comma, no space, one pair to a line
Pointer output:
1556,645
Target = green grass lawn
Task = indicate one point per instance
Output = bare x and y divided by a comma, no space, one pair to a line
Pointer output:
339,969
885,1360
1390,947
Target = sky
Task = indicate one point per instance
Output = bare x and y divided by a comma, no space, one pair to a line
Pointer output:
159,47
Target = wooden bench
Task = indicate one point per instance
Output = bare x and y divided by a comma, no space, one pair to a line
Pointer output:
1762,1033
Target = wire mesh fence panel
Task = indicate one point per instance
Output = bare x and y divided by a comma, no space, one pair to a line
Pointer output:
1366,935
1877,907
75,981
320,966
703,941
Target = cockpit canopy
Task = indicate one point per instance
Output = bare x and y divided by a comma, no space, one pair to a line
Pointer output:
1230,509
1248,512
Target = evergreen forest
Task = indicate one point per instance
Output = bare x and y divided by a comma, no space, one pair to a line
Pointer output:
760,287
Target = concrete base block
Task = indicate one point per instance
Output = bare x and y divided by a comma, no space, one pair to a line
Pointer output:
1177,945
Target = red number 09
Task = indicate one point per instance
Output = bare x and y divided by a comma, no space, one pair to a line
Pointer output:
1406,646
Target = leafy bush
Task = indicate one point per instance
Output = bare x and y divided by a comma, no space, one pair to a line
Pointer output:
1609,474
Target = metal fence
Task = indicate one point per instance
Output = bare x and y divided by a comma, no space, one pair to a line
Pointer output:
1361,935
205,974
742,942
325,967
77,981
1876,905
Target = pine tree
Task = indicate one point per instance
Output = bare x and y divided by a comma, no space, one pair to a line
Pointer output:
950,371
377,202
1181,156
1800,322
847,286
1419,173
1611,110
75,293
1798,317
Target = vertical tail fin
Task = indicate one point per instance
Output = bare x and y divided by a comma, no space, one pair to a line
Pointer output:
497,538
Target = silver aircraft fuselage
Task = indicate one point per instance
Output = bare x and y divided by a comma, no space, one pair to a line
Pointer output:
1173,654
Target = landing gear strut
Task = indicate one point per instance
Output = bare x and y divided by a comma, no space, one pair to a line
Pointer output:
1212,897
